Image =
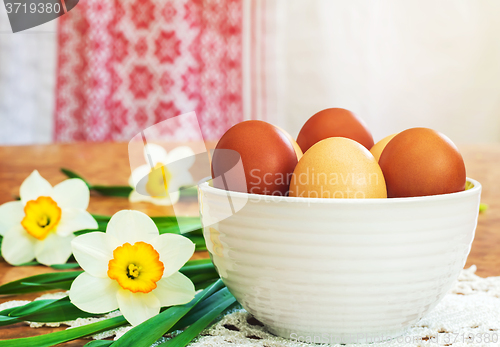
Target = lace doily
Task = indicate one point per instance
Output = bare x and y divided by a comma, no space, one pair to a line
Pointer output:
469,315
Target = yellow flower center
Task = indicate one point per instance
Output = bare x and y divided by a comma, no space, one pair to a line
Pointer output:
136,268
158,181
41,217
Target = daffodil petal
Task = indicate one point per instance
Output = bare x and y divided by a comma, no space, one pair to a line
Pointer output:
73,219
166,201
175,250
176,289
93,251
132,226
138,174
180,180
135,196
11,214
93,294
54,249
72,193
183,156
171,200
137,307
18,246
156,153
33,187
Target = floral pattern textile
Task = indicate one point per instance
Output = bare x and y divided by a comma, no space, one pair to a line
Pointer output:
124,65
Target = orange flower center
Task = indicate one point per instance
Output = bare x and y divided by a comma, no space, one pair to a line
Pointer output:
41,217
136,268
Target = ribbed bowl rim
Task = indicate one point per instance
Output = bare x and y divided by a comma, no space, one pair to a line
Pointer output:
204,186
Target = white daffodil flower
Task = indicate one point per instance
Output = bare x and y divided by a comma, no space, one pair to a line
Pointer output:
165,172
40,226
131,267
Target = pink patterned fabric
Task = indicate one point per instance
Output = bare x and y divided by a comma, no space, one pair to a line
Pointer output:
125,65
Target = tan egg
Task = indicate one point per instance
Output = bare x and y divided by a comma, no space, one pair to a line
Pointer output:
338,167
296,147
378,148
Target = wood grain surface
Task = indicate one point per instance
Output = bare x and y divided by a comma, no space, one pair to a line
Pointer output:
108,164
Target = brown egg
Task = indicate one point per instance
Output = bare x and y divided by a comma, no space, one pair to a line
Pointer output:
421,161
378,148
268,159
334,122
295,145
338,167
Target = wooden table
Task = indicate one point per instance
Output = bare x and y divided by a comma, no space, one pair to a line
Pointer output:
107,163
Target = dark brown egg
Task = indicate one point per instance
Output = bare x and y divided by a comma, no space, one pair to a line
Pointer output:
334,122
268,159
420,162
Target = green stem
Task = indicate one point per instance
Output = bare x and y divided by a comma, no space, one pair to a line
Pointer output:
65,335
151,330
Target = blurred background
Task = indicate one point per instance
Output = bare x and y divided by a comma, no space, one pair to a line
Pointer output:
110,68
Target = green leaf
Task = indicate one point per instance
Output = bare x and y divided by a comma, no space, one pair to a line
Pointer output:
55,266
5,320
165,219
7,311
72,174
204,284
65,335
99,217
101,226
188,191
59,311
124,191
193,269
43,311
59,280
65,266
30,308
30,263
119,191
99,343
194,232
63,280
203,308
193,226
49,286
199,240
198,262
202,277
171,229
216,308
145,334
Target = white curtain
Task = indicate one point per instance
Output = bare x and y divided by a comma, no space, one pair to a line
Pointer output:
27,82
397,64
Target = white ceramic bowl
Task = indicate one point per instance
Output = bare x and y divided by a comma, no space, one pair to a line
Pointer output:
349,270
